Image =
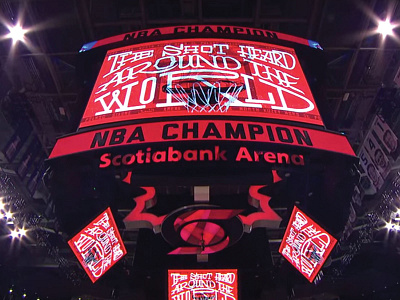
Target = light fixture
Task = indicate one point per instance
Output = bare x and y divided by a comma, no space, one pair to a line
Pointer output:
385,27
8,215
389,225
22,232
14,233
18,232
17,33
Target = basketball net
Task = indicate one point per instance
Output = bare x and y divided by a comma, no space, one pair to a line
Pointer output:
204,96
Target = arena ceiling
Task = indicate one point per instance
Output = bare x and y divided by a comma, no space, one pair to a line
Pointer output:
40,78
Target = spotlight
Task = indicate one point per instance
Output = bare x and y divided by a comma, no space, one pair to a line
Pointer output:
385,27
389,226
22,232
17,33
8,216
18,233
14,234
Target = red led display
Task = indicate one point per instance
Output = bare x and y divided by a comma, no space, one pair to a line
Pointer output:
202,285
201,130
98,246
201,77
200,29
305,244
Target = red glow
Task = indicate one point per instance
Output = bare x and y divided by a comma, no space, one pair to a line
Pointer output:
202,284
98,246
305,244
268,79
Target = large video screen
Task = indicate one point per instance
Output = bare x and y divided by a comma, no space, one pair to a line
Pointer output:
202,284
192,77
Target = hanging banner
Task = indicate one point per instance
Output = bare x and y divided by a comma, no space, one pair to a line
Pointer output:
36,175
386,136
369,168
377,155
29,157
306,245
17,140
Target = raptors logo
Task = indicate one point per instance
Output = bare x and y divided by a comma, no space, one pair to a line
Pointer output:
202,228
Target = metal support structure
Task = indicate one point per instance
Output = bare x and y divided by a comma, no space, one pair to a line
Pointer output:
349,72
143,13
84,18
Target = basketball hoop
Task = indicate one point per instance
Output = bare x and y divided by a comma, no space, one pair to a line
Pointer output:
205,96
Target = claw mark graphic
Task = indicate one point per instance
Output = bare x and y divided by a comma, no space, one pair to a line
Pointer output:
138,218
267,217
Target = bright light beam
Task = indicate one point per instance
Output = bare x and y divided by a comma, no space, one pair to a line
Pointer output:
22,232
14,234
389,226
385,27
17,33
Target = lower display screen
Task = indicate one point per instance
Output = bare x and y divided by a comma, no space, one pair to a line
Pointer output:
202,285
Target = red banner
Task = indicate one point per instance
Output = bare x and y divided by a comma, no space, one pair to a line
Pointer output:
98,246
201,77
305,244
202,285
201,130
